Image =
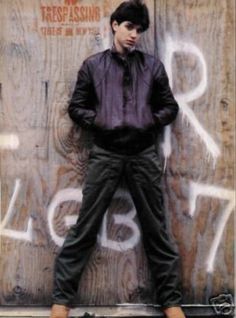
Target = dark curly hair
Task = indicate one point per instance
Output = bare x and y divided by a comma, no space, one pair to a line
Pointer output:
134,11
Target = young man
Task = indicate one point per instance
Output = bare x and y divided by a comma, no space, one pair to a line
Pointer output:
123,96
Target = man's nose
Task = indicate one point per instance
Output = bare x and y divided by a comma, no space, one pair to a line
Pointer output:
134,33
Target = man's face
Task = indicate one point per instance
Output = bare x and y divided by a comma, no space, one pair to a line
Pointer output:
126,35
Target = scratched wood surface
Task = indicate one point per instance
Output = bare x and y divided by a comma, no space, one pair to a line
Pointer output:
201,32
37,76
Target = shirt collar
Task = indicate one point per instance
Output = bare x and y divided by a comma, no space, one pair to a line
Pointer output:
130,52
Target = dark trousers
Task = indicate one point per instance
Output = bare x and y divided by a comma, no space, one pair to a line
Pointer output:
143,173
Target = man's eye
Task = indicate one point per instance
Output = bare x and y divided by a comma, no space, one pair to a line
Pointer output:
129,26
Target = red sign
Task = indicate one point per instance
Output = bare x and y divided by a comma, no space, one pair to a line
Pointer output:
69,19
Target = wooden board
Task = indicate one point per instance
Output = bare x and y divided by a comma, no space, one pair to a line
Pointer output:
124,311
43,157
195,41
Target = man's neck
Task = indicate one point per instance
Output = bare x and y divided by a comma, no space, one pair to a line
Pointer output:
122,51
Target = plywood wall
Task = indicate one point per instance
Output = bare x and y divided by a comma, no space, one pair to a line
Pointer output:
44,157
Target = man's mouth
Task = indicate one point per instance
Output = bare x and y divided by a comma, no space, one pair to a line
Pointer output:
130,42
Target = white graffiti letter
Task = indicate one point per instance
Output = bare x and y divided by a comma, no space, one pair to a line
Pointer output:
126,220
9,141
19,235
216,192
63,195
185,98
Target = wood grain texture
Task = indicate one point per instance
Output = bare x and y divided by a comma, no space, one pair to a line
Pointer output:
209,26
37,77
52,156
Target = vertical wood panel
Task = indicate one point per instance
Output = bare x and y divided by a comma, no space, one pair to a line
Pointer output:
203,32
37,77
52,157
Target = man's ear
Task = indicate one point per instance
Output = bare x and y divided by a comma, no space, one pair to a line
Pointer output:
114,25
